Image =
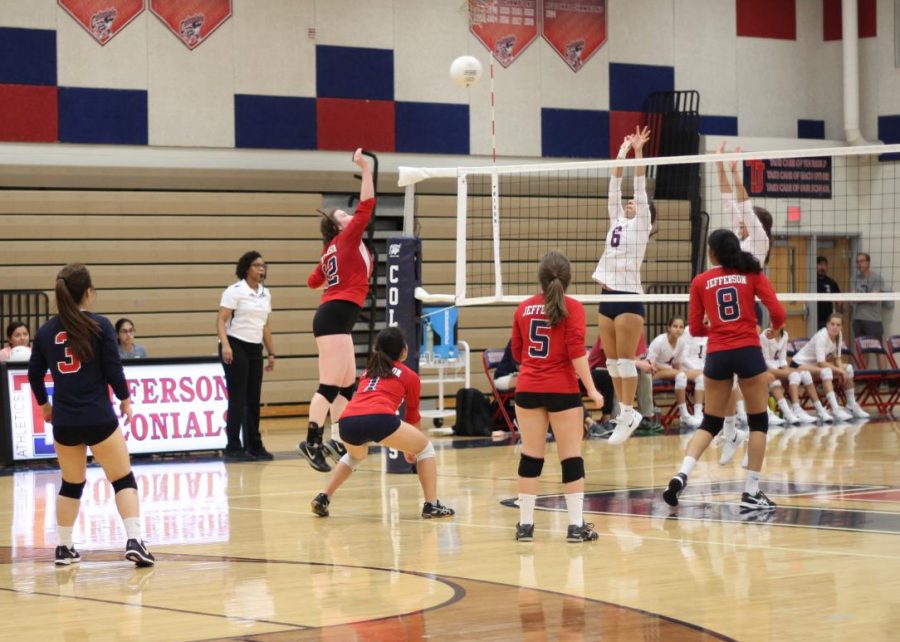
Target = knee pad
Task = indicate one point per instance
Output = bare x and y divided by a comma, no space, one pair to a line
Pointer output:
530,467
347,391
775,384
849,371
427,452
794,378
680,381
612,366
827,374
350,462
572,469
328,391
711,424
70,490
627,369
758,422
125,482
699,383
806,378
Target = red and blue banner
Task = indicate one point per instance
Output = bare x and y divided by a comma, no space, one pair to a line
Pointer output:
505,27
576,29
103,19
192,21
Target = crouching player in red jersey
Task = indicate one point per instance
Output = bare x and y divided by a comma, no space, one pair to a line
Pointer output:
726,294
372,416
548,340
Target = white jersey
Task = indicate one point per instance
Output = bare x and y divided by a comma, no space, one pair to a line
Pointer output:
662,354
626,242
693,353
757,241
819,348
774,350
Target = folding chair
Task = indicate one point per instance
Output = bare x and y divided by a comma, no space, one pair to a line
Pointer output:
893,347
871,379
490,359
669,413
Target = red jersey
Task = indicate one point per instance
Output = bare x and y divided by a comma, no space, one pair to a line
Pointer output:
384,395
546,353
727,298
346,264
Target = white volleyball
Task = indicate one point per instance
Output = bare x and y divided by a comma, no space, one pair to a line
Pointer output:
20,353
465,71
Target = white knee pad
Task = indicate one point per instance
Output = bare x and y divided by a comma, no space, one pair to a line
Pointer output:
794,378
698,383
806,378
680,381
427,452
849,371
350,462
612,366
627,369
827,374
775,384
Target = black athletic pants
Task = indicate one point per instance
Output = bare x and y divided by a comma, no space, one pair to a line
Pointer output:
243,376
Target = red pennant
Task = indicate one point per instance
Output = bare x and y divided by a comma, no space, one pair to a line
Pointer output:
505,27
576,29
103,19
193,21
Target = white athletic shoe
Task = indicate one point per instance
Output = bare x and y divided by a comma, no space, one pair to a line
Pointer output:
688,421
841,415
775,420
823,415
624,427
789,417
802,416
858,412
730,446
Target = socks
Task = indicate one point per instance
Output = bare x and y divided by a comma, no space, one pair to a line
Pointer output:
698,410
626,410
850,393
832,400
752,485
64,534
784,406
575,504
133,528
687,465
682,409
728,427
336,433
314,433
526,508
740,408
819,406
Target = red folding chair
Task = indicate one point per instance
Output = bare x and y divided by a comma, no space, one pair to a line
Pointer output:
893,347
490,359
871,379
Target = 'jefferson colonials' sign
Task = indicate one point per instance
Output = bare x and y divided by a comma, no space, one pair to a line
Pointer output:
789,177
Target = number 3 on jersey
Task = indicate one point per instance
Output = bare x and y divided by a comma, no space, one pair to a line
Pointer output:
539,336
72,363
727,302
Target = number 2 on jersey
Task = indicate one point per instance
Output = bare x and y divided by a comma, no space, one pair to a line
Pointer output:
331,271
727,302
539,336
72,363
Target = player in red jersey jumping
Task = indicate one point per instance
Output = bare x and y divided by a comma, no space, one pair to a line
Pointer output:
548,340
344,270
726,294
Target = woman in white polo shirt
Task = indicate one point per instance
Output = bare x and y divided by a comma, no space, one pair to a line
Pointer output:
243,328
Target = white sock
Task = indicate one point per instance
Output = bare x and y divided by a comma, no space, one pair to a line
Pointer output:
687,465
784,406
819,406
336,433
832,400
850,393
133,528
752,485
575,505
698,409
740,408
625,410
64,535
728,427
526,508
682,408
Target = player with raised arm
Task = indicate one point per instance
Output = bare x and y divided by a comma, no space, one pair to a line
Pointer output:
619,272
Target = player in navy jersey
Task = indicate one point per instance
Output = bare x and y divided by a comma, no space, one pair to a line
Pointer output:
371,416
80,350
726,294
619,272
343,270
548,340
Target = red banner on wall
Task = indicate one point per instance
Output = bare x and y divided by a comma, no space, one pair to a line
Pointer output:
576,29
193,21
505,27
103,19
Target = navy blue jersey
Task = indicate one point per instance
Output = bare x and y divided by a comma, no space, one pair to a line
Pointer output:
81,393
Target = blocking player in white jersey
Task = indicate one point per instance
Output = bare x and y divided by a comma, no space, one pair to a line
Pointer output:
662,354
822,358
774,346
619,272
691,362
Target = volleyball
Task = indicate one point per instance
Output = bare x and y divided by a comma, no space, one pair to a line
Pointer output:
465,71
20,353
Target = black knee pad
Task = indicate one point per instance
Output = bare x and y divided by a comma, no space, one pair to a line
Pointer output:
758,422
711,424
328,391
347,391
572,469
125,482
530,466
73,491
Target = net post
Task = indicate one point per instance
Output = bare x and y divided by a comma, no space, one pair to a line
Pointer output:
462,194
409,210
495,225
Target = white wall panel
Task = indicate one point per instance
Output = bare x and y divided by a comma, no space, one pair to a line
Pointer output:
641,31
563,88
771,83
28,14
362,23
705,50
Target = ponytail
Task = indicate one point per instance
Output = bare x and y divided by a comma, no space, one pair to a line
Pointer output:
72,284
555,302
726,248
554,274
389,345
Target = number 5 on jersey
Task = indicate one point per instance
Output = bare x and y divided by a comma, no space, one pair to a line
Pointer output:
539,337
72,363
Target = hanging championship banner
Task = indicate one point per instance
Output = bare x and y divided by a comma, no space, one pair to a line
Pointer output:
505,27
103,19
576,29
193,21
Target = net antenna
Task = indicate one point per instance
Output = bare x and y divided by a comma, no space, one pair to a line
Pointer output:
508,216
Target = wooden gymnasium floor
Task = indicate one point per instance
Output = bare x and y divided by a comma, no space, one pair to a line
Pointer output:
241,557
